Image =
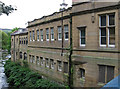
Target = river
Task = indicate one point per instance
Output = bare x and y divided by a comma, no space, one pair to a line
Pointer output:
3,78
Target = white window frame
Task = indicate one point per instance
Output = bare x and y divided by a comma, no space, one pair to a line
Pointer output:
33,35
30,37
47,62
33,59
41,34
51,63
41,61
80,38
100,39
52,33
47,34
38,36
59,32
37,60
101,45
58,66
66,32
109,31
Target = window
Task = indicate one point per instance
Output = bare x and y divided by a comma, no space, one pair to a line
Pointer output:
51,63
46,62
66,32
107,40
47,34
37,35
25,56
26,40
82,36
20,40
17,40
82,73
20,55
41,31
33,59
59,33
30,36
65,67
111,30
52,34
30,58
33,36
59,63
41,61
37,60
106,73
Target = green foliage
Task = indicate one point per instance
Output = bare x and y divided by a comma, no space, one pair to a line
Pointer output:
20,76
3,39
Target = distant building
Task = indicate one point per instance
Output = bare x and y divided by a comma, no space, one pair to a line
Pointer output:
95,43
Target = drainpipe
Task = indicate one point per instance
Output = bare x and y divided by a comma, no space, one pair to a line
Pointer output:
62,32
70,79
14,50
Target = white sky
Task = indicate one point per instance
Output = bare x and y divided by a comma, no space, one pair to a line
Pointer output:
28,10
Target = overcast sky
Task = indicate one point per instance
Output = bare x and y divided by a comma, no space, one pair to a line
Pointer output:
28,10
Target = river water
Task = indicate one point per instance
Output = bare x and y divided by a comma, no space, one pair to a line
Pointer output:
3,78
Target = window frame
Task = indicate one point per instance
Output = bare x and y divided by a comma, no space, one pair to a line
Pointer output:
33,35
51,63
47,34
82,28
30,36
41,34
107,27
59,65
66,32
59,32
38,38
52,33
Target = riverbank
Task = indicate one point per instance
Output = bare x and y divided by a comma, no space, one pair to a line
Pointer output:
21,76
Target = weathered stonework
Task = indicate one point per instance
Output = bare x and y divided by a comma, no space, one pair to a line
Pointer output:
86,59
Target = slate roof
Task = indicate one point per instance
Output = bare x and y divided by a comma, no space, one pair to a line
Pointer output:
20,31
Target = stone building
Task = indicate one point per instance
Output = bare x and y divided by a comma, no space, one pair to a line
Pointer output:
19,44
95,41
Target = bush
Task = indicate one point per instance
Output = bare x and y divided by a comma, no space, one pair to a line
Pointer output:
19,76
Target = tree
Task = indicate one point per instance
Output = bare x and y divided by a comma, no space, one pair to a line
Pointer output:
3,39
4,9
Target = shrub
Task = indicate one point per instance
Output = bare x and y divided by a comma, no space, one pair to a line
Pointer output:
21,76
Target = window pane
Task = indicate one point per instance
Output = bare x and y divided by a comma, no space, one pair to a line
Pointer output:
66,28
82,33
103,31
66,35
103,20
65,67
111,19
102,73
103,40
60,36
82,40
51,63
82,36
33,35
110,73
112,36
